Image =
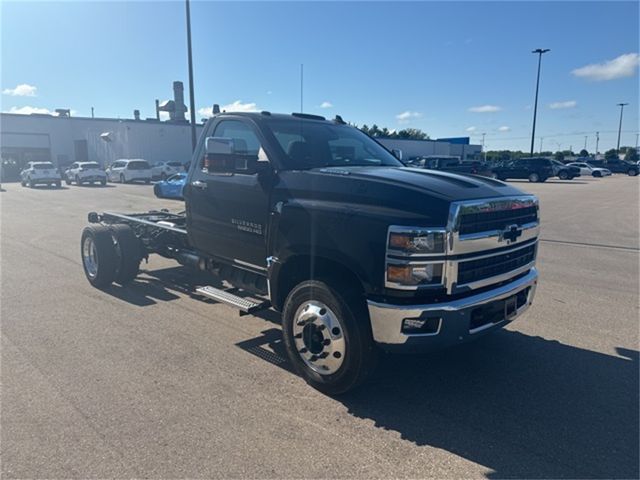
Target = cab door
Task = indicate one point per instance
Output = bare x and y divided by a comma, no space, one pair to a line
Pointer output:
228,211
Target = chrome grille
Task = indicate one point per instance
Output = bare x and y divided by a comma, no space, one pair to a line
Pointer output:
487,267
475,222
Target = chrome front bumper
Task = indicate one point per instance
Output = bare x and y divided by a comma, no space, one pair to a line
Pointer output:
455,324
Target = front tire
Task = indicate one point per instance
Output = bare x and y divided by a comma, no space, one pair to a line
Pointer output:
534,177
30,183
597,174
78,182
563,175
632,172
122,179
103,182
98,253
58,184
328,337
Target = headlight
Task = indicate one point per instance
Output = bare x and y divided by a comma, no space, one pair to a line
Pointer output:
416,241
415,274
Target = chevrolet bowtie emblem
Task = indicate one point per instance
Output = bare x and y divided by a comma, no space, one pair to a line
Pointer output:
511,233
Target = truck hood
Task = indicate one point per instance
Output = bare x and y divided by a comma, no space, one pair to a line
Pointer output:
407,192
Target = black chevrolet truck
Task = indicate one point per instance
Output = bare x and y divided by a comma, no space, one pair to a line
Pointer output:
359,253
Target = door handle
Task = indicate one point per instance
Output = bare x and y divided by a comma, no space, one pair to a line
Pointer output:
199,184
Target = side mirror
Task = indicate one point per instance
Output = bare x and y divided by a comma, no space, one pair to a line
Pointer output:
223,157
397,153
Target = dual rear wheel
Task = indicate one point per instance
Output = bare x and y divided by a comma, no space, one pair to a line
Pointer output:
110,254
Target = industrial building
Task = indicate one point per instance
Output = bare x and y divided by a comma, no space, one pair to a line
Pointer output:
64,139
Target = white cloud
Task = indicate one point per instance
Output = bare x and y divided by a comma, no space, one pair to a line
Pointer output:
485,109
406,117
559,105
269,92
22,90
29,110
471,129
164,116
504,128
237,106
326,104
622,66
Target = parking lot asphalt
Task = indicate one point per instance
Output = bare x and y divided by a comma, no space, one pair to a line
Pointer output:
148,381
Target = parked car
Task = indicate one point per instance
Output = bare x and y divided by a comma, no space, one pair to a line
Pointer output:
39,173
357,252
85,172
533,169
451,164
586,169
618,166
563,171
163,170
171,187
134,170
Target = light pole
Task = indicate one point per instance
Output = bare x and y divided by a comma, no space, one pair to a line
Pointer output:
483,150
192,102
597,142
621,105
539,51
585,141
541,138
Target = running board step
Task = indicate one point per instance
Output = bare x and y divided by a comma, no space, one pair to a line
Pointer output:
245,305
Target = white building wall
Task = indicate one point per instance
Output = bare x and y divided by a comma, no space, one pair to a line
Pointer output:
418,148
154,141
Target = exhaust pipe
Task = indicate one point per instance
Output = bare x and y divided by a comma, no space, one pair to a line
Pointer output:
191,260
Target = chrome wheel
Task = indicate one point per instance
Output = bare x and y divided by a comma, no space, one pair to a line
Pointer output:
90,257
319,337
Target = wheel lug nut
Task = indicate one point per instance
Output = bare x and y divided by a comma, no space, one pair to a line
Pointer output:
324,355
303,350
321,327
326,342
313,358
297,335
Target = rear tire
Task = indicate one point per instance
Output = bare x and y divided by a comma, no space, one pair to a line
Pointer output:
59,184
78,182
127,247
98,254
338,342
103,182
534,177
122,179
597,174
30,183
563,175
156,191
632,172
67,181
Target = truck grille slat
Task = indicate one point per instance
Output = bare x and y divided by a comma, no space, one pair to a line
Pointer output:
474,270
496,220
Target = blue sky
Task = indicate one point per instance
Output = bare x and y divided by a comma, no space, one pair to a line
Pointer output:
426,65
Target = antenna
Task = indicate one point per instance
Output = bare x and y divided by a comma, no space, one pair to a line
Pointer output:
301,87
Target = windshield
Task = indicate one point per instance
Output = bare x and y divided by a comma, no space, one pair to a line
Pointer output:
138,165
43,166
89,166
313,145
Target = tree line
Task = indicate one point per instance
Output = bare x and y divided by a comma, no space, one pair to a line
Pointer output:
407,133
